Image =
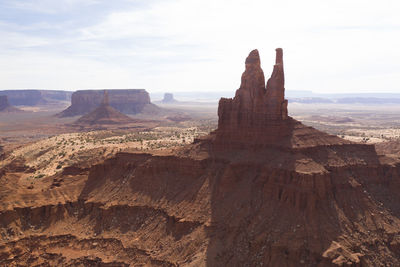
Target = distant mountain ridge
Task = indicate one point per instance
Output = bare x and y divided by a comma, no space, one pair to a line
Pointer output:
304,97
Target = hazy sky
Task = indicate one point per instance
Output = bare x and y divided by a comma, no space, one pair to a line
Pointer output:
198,45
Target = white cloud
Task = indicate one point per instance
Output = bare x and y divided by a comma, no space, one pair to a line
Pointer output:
49,6
175,45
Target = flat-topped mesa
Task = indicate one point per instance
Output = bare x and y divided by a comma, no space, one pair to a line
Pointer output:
128,101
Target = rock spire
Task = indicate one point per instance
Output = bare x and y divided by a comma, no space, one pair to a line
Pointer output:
257,117
255,104
106,100
275,96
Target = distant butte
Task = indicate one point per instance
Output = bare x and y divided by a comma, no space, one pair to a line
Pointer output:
104,114
127,101
168,98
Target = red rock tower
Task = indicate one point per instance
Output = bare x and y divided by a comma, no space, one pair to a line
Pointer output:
105,99
275,96
255,104
258,112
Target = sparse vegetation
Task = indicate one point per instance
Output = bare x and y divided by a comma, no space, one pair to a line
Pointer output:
46,154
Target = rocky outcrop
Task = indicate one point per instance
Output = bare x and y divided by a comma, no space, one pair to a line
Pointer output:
255,104
129,101
104,114
258,117
5,105
168,98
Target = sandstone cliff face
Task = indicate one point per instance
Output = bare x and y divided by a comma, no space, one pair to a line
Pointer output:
275,208
130,101
56,95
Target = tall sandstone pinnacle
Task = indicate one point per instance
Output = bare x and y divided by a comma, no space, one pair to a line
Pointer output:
275,95
106,100
254,103
257,115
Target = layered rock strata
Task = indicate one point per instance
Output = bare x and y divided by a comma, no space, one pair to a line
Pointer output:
56,95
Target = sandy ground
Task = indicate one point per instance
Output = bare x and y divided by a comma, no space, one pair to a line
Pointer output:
47,144
48,156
